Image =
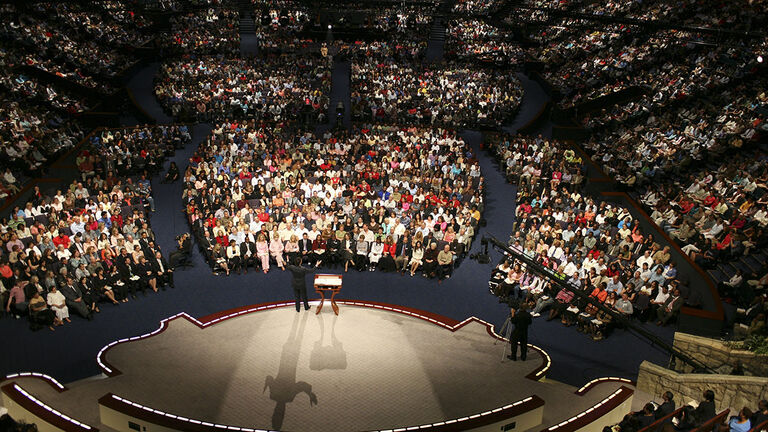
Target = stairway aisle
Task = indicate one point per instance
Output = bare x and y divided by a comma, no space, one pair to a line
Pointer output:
436,42
340,92
249,42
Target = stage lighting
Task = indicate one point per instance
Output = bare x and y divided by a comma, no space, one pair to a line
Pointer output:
759,59
330,26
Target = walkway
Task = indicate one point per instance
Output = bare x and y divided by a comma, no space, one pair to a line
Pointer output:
340,92
142,88
249,42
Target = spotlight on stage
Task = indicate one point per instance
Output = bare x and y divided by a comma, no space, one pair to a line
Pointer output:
330,26
759,59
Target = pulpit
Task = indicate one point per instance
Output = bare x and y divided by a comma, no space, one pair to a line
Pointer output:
328,283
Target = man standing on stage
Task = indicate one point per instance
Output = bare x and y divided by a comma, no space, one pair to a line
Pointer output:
521,320
299,284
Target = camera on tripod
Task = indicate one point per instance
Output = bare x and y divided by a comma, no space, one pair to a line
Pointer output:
482,257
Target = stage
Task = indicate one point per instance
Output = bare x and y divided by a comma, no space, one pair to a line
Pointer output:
373,367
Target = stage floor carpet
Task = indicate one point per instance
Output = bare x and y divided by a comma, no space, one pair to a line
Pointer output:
364,369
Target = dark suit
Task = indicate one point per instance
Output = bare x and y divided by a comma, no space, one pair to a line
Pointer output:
164,275
403,251
705,411
664,409
669,309
305,250
247,254
521,320
71,293
299,284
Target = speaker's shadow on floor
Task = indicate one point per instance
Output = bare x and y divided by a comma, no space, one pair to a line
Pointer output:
284,388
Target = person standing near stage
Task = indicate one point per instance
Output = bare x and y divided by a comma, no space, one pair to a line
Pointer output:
298,274
521,319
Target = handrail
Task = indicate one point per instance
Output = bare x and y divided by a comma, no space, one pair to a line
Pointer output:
760,427
655,425
707,425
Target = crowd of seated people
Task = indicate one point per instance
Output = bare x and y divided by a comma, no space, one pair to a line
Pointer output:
33,133
202,32
67,52
407,22
394,199
596,246
666,416
394,87
662,141
478,41
718,215
131,151
111,22
66,253
476,7
275,88
280,24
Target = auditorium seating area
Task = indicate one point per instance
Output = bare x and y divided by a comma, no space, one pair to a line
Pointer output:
93,239
600,165
596,245
386,198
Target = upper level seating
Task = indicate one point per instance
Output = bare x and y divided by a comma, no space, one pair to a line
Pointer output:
275,88
205,31
475,40
72,49
391,86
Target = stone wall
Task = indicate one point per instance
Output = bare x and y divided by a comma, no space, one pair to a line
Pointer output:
731,391
718,356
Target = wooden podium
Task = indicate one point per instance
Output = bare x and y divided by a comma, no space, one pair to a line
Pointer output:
327,283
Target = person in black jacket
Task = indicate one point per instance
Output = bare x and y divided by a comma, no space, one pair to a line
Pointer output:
162,270
403,253
521,319
248,254
74,298
666,407
298,283
706,408
185,248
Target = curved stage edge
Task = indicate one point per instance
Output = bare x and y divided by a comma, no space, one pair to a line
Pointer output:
25,404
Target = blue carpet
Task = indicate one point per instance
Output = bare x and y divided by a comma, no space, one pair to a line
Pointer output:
69,353
534,99
340,92
141,85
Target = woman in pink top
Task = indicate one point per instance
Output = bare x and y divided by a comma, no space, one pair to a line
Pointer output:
276,250
262,251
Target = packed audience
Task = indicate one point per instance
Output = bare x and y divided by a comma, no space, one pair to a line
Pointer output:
476,7
390,89
275,88
70,252
68,52
476,40
596,246
206,31
111,22
280,24
115,153
36,125
387,198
